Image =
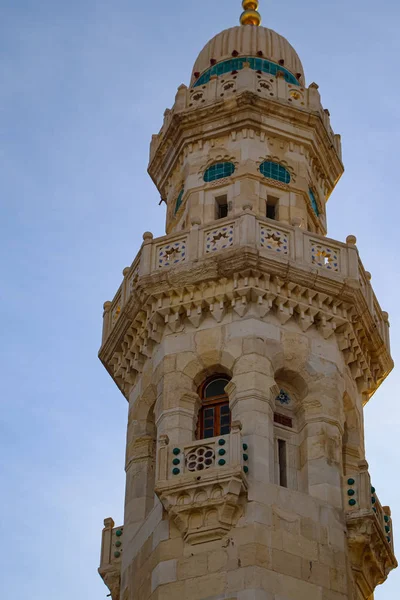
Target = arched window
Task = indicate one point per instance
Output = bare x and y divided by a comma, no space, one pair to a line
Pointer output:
273,170
215,415
218,171
178,201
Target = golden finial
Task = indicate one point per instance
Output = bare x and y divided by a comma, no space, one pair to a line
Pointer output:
250,16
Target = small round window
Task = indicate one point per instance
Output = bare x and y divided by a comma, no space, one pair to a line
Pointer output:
218,171
275,171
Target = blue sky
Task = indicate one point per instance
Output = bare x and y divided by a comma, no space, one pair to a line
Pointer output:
84,85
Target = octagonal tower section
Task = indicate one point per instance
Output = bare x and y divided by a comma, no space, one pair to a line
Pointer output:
247,132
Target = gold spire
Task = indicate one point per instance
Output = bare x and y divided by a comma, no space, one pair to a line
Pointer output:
250,16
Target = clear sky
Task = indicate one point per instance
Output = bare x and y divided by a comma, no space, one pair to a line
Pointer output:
84,86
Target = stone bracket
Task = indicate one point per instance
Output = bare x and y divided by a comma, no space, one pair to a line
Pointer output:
371,555
204,506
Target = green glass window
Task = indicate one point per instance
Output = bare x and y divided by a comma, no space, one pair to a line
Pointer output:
178,201
237,64
216,387
313,202
275,171
218,171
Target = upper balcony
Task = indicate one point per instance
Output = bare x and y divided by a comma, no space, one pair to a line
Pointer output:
370,532
242,263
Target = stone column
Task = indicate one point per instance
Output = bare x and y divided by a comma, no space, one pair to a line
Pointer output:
176,408
252,404
247,227
323,434
106,320
140,474
145,257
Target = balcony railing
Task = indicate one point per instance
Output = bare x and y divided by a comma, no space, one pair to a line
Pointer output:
360,498
202,457
111,555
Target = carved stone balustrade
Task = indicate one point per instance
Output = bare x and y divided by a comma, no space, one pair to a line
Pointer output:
203,484
370,532
246,264
110,559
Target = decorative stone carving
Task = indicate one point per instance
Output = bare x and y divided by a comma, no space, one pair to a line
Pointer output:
200,458
283,398
325,256
245,286
274,239
371,555
172,253
112,579
219,238
203,485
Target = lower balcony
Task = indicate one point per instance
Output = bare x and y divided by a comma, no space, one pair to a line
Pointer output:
110,559
370,533
203,484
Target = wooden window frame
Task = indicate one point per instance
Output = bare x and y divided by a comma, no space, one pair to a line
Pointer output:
215,402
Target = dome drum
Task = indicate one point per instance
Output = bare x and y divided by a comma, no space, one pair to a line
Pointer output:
248,41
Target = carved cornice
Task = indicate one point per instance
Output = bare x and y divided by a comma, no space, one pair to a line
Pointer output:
245,282
246,109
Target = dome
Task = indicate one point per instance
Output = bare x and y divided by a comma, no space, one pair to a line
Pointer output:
251,41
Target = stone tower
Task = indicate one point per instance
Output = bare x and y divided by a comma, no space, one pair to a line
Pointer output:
246,343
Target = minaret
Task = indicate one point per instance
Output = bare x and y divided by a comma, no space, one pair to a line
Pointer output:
247,344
